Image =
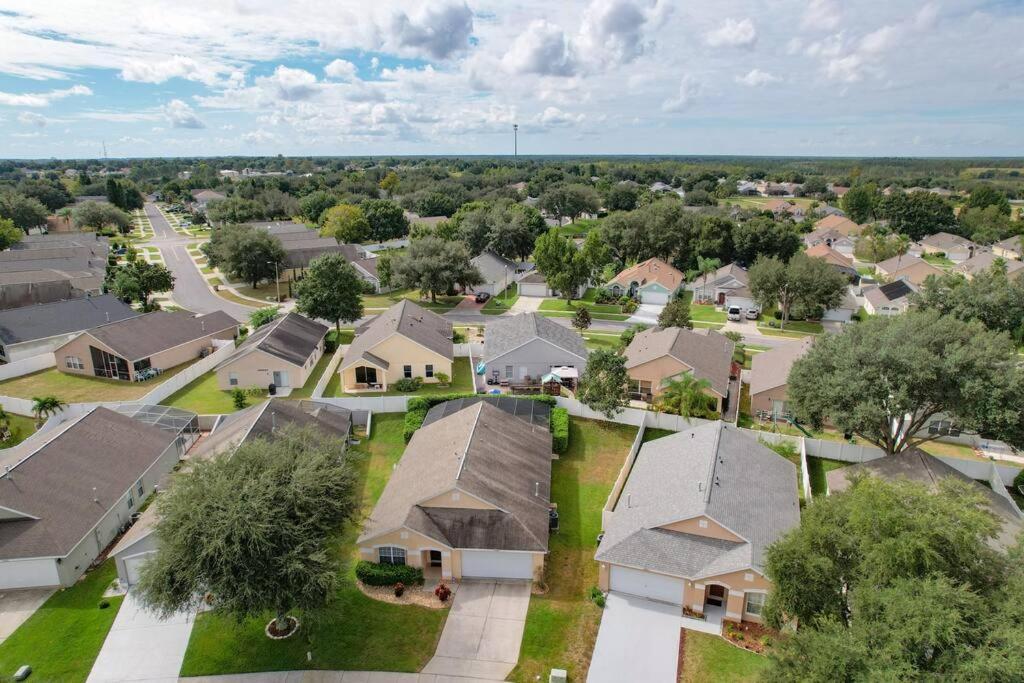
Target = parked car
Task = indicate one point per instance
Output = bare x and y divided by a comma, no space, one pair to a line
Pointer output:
735,313
482,297
752,313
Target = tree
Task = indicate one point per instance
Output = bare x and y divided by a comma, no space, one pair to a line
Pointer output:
581,320
97,215
389,183
859,202
262,316
676,313
569,201
9,233
687,396
876,245
123,194
762,236
504,227
45,406
138,280
622,197
596,254
277,204
630,332
385,273
986,225
51,193
345,223
332,290
238,398
604,386
984,196
885,378
809,284
269,512
385,219
916,214
434,265
314,204
706,267
25,212
250,255
234,209
565,268
990,297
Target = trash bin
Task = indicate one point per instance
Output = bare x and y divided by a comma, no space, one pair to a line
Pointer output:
272,389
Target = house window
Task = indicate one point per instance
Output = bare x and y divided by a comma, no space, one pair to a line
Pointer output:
391,555
429,371
131,500
509,370
703,523
365,375
407,371
755,604
641,389
74,362
233,379
140,487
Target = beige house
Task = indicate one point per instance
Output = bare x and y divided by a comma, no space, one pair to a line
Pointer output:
470,498
954,247
404,341
160,340
660,354
840,224
769,379
829,255
984,260
692,522
1010,248
283,352
905,267
652,282
889,299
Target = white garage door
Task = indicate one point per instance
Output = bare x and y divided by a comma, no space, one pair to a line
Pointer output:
28,574
647,585
533,289
133,566
491,564
653,298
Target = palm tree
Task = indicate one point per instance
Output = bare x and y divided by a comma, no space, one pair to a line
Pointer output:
707,266
65,214
45,406
687,396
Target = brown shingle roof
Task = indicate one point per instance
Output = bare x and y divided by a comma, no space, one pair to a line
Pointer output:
708,353
838,223
829,255
142,336
651,270
771,368
424,327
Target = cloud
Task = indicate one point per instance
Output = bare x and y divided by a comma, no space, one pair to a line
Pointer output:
161,70
258,137
541,49
439,31
41,99
822,15
733,33
689,88
341,70
755,78
880,41
612,30
290,84
555,117
30,118
180,115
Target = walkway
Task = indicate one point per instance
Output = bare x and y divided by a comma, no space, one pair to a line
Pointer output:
331,677
638,641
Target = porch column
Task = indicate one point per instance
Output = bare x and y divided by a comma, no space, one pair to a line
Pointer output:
693,596
734,606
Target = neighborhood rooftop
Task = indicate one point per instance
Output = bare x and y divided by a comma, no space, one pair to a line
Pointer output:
424,327
40,321
291,337
510,332
708,353
144,335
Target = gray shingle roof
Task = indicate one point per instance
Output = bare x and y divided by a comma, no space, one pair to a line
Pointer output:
708,353
142,336
713,470
492,267
1015,243
536,413
946,240
771,368
424,327
41,321
983,260
292,338
510,332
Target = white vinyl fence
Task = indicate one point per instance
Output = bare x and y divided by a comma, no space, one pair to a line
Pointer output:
26,366
332,367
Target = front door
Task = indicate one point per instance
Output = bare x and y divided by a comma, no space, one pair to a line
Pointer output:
721,298
281,378
716,595
435,558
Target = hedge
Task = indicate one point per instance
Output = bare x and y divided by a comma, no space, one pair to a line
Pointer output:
373,574
418,406
559,430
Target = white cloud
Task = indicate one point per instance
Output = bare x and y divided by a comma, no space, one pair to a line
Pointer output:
258,137
554,117
543,49
439,31
755,78
612,31
848,69
733,33
161,70
822,15
180,115
290,84
41,99
30,118
341,70
880,41
689,88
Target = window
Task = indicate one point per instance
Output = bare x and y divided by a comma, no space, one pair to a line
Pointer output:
429,371
233,379
703,523
509,371
407,371
391,555
140,487
74,362
131,500
755,603
365,375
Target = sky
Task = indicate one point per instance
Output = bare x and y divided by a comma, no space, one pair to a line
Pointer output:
338,77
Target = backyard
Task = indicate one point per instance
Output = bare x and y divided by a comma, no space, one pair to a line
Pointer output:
62,639
461,382
712,658
562,624
21,428
81,388
353,632
204,397
817,468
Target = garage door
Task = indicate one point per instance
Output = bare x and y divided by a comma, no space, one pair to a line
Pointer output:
491,564
647,585
533,289
133,566
654,298
28,574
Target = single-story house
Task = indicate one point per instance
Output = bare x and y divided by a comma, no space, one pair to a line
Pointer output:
742,298
830,237
470,498
282,352
769,379
720,284
535,284
161,340
652,282
33,330
746,188
829,255
984,260
840,224
911,268
956,248
404,341
889,299
201,198
66,498
530,345
662,353
1010,248
497,271
693,522
838,190
826,210
139,543
47,285
780,208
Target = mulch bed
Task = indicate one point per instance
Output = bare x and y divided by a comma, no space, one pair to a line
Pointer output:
423,596
682,654
750,636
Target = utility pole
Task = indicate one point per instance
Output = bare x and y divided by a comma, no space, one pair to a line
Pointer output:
277,280
515,141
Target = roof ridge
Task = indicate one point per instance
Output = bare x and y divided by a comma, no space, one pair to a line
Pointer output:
472,432
714,462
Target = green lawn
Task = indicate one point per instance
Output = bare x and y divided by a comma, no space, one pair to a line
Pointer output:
21,428
561,625
497,305
307,390
443,303
354,632
461,382
61,640
712,658
706,313
587,300
204,397
794,328
817,468
81,388
938,261
597,340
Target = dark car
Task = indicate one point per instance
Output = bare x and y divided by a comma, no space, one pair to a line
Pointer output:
482,297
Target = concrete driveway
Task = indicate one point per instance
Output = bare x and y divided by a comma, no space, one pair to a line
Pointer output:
638,641
142,647
484,630
646,314
16,606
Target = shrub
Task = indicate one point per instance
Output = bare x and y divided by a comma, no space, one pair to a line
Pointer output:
104,604
409,384
443,592
256,392
559,430
238,399
600,601
630,306
399,589
442,378
243,330
1018,481
373,574
459,337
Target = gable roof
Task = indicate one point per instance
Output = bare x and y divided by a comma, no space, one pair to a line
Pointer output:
770,369
536,413
713,470
1015,243
708,353
506,333
486,453
207,195
729,270
840,224
292,338
416,323
983,260
829,255
946,240
142,336
651,270
493,267
41,321
898,264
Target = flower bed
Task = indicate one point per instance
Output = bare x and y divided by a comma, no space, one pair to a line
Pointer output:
749,636
413,595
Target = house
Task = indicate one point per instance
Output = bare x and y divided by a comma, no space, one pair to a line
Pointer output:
829,255
746,188
954,247
720,284
780,208
769,379
693,522
840,224
66,497
202,198
1010,248
890,299
46,285
33,330
915,465
652,282
826,210
660,354
404,341
984,260
263,420
535,284
470,498
160,340
906,267
282,352
838,190
833,239
530,345
742,299
844,311
497,271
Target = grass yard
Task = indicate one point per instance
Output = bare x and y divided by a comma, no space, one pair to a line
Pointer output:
235,299
204,397
588,300
461,382
354,632
62,639
817,468
597,340
443,303
497,305
21,428
794,328
652,433
81,388
938,261
703,313
306,391
953,450
561,626
712,658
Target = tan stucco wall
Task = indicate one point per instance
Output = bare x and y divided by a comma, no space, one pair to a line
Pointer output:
713,529
79,346
763,400
456,499
398,351
164,360
659,369
256,369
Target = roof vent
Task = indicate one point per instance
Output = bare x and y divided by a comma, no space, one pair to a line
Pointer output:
536,489
717,482
95,498
107,313
629,500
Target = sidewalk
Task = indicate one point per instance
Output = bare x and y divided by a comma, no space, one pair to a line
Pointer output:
333,677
